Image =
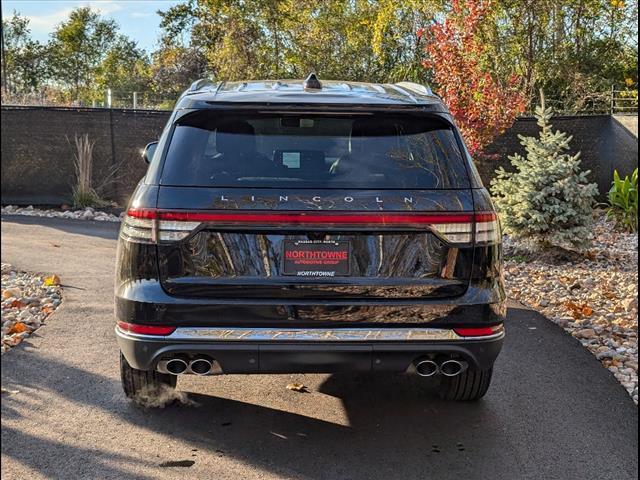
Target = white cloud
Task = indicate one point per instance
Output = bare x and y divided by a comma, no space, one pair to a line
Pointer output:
104,6
46,23
141,14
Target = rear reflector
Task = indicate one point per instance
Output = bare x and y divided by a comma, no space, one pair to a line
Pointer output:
479,331
145,329
148,225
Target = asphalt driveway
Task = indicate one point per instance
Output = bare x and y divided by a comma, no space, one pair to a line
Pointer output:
553,411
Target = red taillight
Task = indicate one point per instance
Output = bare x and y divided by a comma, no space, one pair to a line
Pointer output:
485,217
478,331
172,225
142,213
147,226
145,329
306,218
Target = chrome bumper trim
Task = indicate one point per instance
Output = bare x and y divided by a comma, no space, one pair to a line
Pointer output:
313,334
222,334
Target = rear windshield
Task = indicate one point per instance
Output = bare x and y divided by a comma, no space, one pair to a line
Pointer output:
221,149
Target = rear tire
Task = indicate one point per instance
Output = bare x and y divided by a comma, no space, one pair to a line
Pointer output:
469,386
144,385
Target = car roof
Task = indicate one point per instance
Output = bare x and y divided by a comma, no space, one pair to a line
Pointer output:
331,92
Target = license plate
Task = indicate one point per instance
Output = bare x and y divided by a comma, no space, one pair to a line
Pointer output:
311,258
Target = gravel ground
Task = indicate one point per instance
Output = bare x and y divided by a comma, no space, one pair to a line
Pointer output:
27,300
593,297
86,214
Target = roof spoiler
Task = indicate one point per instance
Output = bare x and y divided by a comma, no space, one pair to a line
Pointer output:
416,88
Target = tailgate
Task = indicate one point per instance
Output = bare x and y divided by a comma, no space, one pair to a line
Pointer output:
242,250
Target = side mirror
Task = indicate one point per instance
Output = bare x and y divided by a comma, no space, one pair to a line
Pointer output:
148,152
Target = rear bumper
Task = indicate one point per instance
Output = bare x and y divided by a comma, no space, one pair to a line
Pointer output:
309,350
145,301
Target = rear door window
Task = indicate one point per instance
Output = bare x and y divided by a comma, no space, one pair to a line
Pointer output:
223,149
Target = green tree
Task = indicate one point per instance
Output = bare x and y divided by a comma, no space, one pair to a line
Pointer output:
239,40
78,47
548,198
125,69
367,40
570,48
397,46
173,68
333,38
25,59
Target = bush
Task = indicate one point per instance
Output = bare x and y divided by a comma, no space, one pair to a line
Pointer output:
623,201
84,195
483,104
548,199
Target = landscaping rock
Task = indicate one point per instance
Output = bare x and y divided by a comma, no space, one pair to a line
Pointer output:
27,300
586,333
594,297
64,212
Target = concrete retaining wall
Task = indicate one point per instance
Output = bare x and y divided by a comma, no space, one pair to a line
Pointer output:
606,145
37,148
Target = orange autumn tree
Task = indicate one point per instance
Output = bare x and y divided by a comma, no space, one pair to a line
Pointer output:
482,105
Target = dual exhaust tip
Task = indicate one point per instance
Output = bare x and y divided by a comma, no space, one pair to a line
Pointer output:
424,368
448,368
199,366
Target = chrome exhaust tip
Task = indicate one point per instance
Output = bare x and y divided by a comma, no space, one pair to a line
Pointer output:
176,366
451,368
426,368
200,366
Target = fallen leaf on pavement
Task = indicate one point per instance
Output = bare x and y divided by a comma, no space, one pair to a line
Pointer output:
579,310
51,280
18,304
297,387
17,328
587,311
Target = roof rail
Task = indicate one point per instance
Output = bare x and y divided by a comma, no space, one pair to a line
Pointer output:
415,88
201,83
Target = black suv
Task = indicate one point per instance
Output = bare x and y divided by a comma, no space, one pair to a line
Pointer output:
300,226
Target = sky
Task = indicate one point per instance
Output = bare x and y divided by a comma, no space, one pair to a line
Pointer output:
137,19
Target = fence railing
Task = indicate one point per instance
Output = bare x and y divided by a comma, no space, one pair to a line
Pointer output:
624,101
598,103
110,99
